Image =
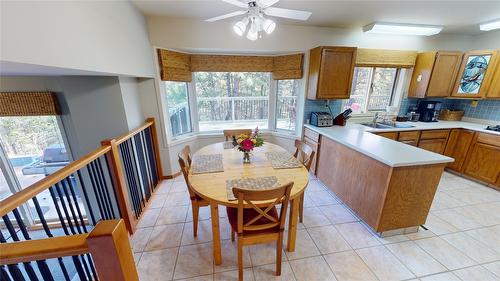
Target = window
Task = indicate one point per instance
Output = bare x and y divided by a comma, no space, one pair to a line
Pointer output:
373,89
286,104
178,107
232,100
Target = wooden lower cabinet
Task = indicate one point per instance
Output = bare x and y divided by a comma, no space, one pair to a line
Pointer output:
434,145
457,147
483,159
389,135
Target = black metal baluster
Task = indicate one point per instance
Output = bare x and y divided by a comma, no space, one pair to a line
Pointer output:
14,270
4,275
133,161
147,162
65,209
113,187
86,196
129,181
49,234
100,189
58,210
78,267
75,199
152,156
27,265
142,166
94,188
105,187
85,267
64,187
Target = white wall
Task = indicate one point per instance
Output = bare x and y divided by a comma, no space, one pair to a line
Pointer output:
488,40
102,36
131,101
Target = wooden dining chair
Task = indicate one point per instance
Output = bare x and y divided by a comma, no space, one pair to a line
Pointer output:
196,201
305,154
256,223
229,134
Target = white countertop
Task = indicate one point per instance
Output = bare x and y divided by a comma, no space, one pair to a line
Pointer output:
390,152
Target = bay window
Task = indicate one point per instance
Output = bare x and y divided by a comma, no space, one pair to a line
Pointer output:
178,107
286,104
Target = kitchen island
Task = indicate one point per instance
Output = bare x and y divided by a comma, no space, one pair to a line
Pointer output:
390,185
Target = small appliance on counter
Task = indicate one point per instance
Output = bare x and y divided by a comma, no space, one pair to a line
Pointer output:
493,128
341,119
321,119
428,110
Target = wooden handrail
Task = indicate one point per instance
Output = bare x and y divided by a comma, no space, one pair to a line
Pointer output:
48,248
130,134
10,203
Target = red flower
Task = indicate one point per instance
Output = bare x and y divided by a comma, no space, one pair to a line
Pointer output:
246,145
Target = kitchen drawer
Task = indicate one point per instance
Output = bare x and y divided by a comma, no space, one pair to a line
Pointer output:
488,139
312,135
409,136
311,142
409,142
389,135
434,134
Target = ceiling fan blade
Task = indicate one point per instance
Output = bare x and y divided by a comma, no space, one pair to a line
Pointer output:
237,3
287,13
267,3
230,15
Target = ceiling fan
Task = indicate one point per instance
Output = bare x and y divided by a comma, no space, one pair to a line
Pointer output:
254,19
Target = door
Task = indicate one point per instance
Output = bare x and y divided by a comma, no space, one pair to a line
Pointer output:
483,162
475,75
444,74
31,148
336,70
434,145
457,147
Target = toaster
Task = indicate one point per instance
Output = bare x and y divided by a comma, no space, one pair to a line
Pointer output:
321,119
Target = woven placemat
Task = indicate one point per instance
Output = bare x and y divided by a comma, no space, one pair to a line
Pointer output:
283,160
228,145
209,163
257,183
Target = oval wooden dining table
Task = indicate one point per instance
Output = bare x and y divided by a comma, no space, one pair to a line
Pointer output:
212,186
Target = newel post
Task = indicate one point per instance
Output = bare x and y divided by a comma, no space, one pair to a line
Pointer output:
120,186
109,246
156,145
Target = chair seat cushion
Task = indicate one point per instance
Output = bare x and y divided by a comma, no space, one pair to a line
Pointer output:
248,215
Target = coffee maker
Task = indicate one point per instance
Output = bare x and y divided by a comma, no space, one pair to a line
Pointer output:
429,110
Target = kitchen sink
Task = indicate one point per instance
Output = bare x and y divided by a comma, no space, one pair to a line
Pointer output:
387,125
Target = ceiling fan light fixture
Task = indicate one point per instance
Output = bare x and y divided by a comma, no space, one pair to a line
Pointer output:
253,32
268,26
402,29
240,27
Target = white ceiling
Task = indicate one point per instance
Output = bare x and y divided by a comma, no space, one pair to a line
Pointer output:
458,17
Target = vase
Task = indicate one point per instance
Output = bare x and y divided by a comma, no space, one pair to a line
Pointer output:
246,157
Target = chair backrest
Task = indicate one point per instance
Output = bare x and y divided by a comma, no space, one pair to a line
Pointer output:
185,163
229,134
280,195
304,153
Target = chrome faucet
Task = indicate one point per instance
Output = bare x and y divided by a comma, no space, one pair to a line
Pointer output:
375,118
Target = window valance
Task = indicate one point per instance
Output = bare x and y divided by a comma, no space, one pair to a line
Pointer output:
28,104
176,66
385,58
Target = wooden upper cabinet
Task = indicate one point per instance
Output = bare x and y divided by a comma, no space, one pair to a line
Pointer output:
476,74
330,72
457,147
494,89
434,74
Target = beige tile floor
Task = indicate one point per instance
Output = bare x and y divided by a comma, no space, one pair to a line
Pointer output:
462,241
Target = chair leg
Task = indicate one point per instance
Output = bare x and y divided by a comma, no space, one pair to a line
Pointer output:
240,260
232,235
279,252
196,212
301,208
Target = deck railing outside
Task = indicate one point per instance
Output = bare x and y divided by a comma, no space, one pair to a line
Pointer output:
116,180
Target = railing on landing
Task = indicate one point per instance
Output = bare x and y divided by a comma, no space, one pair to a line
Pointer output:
116,180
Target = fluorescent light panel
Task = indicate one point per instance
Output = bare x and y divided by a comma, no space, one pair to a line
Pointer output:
402,29
490,25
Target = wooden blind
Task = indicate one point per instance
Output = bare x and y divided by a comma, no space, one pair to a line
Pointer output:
229,63
28,104
288,67
386,58
175,66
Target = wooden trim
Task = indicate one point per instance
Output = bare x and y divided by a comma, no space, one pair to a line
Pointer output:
13,201
385,58
28,104
134,132
232,63
120,186
48,248
156,145
110,248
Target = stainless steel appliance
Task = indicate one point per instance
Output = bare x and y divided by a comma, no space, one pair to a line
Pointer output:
321,119
428,110
493,128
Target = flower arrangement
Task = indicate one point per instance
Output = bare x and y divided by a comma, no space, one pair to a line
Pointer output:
247,143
